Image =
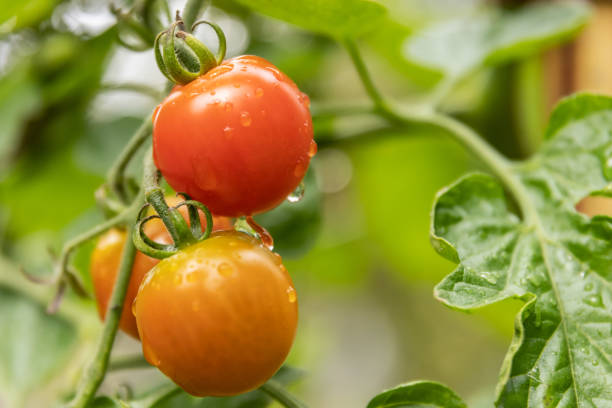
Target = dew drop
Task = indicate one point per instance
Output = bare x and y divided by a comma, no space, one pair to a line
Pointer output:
488,277
134,307
595,362
245,119
277,258
264,235
588,286
228,131
236,85
291,295
225,269
228,106
275,72
300,169
594,300
304,99
213,93
312,149
192,277
297,194
259,92
178,279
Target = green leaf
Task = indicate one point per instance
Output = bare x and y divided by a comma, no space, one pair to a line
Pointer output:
295,226
418,394
18,100
458,46
337,18
19,14
559,261
33,345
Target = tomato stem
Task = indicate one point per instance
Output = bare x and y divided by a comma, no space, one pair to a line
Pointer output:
116,174
281,395
96,370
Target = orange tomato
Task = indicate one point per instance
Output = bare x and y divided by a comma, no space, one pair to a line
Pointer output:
218,317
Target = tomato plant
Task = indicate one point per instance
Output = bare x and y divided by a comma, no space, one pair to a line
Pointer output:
528,228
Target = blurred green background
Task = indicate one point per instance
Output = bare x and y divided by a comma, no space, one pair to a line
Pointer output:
356,246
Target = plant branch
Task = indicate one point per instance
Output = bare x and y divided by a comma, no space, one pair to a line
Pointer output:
132,87
128,362
499,165
280,394
94,375
116,174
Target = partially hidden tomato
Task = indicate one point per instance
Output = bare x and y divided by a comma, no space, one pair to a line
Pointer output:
239,138
218,317
107,256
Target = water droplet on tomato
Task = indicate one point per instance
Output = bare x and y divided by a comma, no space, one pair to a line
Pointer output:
236,85
228,131
228,106
263,113
312,149
245,119
195,305
149,354
243,68
300,169
277,258
297,194
277,75
259,92
213,93
192,277
291,295
134,307
225,269
264,235
178,279
304,99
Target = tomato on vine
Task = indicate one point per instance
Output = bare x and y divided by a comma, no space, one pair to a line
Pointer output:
219,316
106,257
238,138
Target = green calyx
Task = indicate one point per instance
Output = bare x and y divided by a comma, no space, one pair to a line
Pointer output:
183,234
181,57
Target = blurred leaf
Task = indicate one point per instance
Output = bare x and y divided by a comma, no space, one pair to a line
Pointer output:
418,394
33,345
18,100
295,226
455,47
15,15
102,143
557,260
337,18
107,402
397,178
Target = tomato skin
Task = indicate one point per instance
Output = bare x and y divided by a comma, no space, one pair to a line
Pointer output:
219,317
106,257
239,138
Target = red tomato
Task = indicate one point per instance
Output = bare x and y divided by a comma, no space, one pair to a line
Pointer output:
218,317
107,256
239,138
